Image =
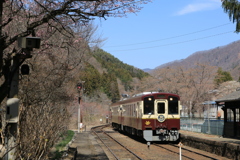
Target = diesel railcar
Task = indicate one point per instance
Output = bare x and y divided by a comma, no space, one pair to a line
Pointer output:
155,116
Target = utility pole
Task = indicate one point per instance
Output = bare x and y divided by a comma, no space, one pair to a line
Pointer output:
9,141
11,89
79,112
12,108
80,89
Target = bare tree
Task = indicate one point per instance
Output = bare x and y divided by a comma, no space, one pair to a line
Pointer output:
196,90
46,96
191,84
20,18
43,113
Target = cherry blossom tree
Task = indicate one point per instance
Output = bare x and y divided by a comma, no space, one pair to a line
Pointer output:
64,27
42,18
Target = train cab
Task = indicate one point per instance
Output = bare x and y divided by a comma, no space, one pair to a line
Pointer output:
154,116
161,120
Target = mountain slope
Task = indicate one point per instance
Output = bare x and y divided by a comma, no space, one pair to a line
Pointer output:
227,57
103,72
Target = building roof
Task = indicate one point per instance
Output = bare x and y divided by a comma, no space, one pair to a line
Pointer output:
234,96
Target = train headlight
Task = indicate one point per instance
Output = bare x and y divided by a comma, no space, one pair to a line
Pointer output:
161,118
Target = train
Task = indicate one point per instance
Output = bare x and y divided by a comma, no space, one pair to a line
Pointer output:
154,116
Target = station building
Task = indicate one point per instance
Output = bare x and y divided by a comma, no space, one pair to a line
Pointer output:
231,107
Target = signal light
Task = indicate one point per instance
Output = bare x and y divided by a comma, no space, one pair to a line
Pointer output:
79,86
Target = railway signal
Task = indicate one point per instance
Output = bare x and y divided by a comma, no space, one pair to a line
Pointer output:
79,86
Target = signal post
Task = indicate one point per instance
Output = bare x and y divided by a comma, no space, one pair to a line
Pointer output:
79,88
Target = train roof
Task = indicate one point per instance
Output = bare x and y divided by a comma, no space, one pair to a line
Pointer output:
141,96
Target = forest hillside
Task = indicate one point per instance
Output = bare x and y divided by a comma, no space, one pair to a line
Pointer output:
227,57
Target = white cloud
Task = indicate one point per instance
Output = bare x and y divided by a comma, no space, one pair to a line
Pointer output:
213,4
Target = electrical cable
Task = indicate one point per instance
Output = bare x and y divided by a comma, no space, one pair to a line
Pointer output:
175,42
170,37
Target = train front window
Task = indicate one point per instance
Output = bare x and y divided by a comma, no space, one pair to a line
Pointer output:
148,105
161,108
172,105
148,109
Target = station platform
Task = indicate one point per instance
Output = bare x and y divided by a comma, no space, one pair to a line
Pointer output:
87,147
225,147
84,146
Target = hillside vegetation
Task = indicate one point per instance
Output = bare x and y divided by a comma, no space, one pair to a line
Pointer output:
117,69
227,57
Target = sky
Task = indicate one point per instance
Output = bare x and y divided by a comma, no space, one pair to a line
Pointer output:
167,30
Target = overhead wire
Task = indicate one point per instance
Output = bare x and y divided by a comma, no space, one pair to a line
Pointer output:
169,44
172,38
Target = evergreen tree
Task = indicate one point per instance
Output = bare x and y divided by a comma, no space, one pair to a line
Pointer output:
222,76
117,69
110,86
232,7
91,77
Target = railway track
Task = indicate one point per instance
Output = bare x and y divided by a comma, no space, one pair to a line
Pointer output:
122,146
192,154
118,150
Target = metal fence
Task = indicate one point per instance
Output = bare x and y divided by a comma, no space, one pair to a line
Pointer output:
209,126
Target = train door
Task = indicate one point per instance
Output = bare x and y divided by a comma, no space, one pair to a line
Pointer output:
139,110
138,116
134,116
162,110
120,115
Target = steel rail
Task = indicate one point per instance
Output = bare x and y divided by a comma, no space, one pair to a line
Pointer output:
123,146
104,143
115,141
200,154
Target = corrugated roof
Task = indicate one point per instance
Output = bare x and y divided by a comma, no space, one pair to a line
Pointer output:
234,96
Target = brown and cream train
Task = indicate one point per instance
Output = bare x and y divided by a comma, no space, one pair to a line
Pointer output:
155,116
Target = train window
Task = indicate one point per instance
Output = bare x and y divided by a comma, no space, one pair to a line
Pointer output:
172,105
149,108
161,108
134,110
148,105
